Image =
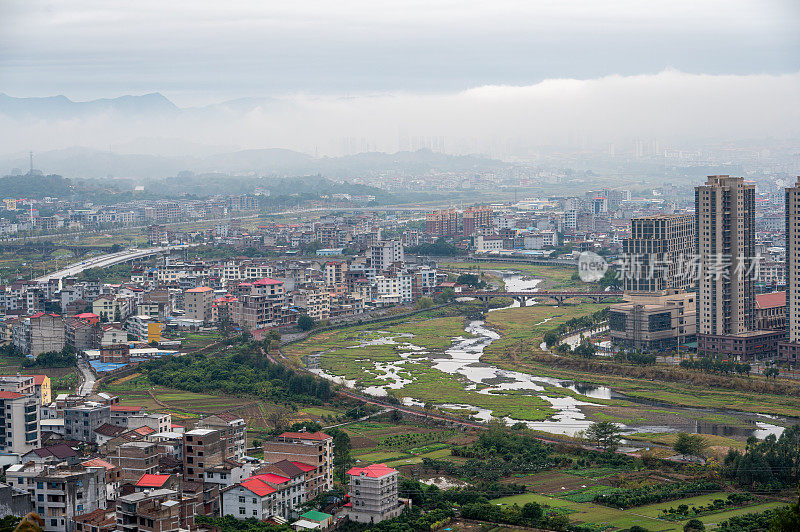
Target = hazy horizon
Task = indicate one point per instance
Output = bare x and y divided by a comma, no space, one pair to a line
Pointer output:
501,78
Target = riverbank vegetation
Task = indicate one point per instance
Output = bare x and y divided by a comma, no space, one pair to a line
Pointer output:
242,370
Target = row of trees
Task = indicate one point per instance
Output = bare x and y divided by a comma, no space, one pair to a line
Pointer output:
631,497
773,462
440,248
552,336
635,357
716,365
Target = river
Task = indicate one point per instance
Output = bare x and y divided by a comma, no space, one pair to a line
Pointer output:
463,359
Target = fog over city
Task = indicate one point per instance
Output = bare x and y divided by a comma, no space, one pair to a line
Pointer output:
500,78
672,106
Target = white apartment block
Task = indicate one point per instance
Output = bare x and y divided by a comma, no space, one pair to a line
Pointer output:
373,494
393,290
386,253
60,493
21,432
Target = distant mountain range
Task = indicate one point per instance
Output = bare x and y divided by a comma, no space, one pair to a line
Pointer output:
62,107
154,155
89,163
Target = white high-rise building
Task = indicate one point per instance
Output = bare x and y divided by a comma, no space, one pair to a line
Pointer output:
386,253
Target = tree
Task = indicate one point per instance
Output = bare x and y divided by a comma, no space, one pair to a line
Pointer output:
689,444
694,525
9,522
610,279
550,338
532,511
277,416
470,279
305,322
341,451
787,519
604,434
424,303
448,294
586,349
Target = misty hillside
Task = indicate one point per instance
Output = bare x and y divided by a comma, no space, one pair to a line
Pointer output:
88,163
62,107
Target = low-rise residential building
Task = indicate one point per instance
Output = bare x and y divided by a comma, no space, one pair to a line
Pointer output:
228,473
312,449
233,430
262,496
100,520
373,494
135,459
260,304
80,421
158,422
144,328
197,303
52,454
157,510
60,493
202,448
39,333
119,414
315,301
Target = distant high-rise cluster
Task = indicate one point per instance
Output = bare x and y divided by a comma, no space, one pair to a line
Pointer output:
693,279
452,222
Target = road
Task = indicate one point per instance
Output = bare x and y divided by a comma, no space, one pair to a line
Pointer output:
87,378
104,261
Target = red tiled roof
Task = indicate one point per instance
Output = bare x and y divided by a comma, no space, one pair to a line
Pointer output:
40,314
372,471
144,431
272,478
771,300
305,467
86,315
10,395
267,281
199,289
152,481
98,462
317,436
259,487
38,380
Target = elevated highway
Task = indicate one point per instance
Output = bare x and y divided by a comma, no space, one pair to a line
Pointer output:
110,259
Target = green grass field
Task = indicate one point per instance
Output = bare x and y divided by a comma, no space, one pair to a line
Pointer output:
644,516
528,325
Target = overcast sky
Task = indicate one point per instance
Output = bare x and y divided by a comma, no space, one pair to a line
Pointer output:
405,60
202,51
